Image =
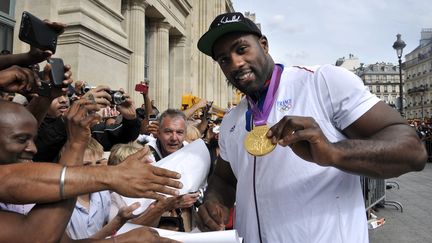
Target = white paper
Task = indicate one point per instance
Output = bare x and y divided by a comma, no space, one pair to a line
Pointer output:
192,162
226,236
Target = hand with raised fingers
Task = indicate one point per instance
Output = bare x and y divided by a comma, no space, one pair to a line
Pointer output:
305,137
187,200
136,177
125,213
80,117
171,203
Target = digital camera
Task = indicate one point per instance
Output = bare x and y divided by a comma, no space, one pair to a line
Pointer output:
117,97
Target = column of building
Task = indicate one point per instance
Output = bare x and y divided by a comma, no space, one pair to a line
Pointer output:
159,63
136,36
178,82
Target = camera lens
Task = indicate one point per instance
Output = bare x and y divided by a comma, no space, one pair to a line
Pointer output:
117,97
86,88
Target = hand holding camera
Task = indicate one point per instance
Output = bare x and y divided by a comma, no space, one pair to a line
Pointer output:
100,93
126,107
40,34
142,88
56,77
104,96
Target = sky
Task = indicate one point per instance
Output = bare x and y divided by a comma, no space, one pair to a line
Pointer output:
314,32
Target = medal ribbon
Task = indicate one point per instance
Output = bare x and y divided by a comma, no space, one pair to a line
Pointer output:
260,118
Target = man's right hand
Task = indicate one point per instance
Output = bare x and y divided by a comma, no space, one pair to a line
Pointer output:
143,234
212,216
80,117
153,128
102,97
17,79
136,177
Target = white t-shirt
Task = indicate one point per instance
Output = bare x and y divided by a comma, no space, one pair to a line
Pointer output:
300,201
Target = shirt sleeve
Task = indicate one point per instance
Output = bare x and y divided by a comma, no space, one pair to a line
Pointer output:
349,97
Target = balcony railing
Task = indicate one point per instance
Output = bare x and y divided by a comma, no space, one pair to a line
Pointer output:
420,57
418,89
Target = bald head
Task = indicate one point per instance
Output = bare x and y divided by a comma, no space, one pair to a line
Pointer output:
18,129
11,111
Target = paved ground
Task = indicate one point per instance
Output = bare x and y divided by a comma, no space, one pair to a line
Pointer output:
414,224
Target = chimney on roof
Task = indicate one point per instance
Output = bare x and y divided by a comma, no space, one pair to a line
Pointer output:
426,36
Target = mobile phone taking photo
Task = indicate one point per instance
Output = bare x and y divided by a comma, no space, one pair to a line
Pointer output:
37,33
57,72
152,118
142,88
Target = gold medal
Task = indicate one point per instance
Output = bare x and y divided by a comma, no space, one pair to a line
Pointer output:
257,143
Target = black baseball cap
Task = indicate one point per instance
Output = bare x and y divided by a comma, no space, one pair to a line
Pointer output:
224,24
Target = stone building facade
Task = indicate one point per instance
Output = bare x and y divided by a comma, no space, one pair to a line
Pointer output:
418,78
382,79
123,42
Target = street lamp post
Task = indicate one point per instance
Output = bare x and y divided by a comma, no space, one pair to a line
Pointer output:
399,46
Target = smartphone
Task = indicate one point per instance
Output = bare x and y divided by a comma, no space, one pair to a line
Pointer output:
142,88
152,118
37,33
57,71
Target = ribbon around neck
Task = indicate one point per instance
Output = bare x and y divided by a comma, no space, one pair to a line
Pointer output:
260,117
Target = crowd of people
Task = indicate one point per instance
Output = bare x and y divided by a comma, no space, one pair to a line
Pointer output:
423,129
287,158
70,153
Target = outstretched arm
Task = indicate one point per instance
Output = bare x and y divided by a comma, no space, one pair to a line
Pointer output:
28,228
201,104
152,215
39,182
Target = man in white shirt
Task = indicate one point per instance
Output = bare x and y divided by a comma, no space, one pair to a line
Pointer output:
293,148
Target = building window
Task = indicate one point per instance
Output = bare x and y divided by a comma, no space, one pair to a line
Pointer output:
5,7
147,50
6,37
7,23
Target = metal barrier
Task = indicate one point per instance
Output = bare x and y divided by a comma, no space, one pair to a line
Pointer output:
373,191
428,144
